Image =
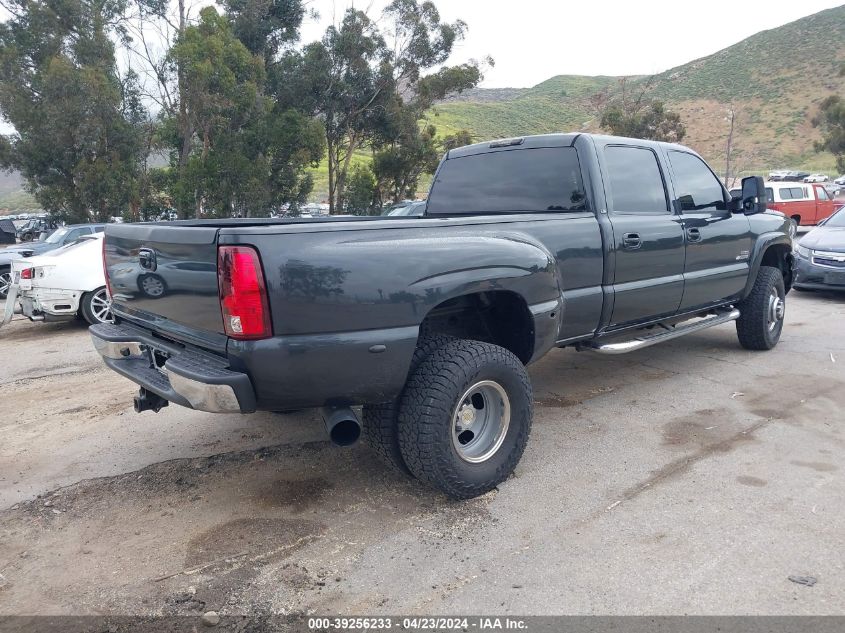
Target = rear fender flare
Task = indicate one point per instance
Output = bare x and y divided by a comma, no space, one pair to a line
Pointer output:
514,264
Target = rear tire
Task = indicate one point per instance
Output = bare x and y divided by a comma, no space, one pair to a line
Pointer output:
96,307
761,313
380,420
465,417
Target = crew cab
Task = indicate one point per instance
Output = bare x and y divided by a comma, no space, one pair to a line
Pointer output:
601,243
807,204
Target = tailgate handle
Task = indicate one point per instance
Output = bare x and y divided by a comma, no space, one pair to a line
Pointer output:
147,259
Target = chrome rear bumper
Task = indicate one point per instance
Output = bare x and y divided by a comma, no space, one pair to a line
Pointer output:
186,377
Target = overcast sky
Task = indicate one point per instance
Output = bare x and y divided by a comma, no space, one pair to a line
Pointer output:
532,40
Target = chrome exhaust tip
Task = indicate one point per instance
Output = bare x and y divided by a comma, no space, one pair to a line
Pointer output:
342,425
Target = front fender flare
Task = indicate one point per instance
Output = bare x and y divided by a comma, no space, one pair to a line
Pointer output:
763,243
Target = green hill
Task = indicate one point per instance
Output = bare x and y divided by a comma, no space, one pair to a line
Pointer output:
774,81
13,196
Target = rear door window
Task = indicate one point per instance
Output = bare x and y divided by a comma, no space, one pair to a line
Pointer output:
636,183
511,181
695,185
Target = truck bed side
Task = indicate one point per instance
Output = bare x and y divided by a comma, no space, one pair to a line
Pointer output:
347,299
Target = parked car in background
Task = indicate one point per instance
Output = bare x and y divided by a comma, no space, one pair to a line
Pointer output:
34,227
840,180
7,231
58,238
62,284
807,204
795,176
415,209
833,189
389,209
779,174
820,255
816,178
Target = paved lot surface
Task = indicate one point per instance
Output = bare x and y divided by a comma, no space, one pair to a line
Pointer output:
692,477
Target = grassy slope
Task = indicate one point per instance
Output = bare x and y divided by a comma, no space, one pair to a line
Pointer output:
12,194
775,80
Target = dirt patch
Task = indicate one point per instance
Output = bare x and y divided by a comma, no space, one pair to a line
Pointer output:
38,331
707,427
299,494
248,538
555,400
220,524
820,467
754,482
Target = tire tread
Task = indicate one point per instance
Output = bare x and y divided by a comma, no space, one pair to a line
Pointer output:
427,404
751,325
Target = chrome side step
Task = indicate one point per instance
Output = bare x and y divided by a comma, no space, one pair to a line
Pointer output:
646,341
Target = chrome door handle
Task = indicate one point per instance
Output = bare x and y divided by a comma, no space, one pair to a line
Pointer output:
631,241
694,235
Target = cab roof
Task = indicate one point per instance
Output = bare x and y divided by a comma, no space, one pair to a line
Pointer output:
553,140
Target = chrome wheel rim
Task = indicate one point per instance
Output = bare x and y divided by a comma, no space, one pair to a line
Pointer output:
776,311
101,307
5,282
152,286
480,421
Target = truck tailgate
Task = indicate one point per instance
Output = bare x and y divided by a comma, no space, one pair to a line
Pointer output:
165,277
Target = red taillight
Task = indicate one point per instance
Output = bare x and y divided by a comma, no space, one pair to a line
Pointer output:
243,295
28,273
106,270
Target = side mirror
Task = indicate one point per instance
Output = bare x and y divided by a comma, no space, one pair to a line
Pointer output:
753,195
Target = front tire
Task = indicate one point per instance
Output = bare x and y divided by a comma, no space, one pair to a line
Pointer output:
761,313
465,417
96,307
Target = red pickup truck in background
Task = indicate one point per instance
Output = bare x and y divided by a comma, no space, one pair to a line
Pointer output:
806,203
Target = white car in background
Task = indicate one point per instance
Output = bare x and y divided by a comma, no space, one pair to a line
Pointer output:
816,178
62,284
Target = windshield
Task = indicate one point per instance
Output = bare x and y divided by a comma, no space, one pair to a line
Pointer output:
67,247
837,219
57,236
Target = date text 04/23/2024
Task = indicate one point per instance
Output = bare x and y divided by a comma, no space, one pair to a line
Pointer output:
416,623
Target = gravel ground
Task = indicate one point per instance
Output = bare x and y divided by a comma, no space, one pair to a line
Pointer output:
688,478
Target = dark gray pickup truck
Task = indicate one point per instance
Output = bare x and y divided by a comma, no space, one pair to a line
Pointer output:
602,243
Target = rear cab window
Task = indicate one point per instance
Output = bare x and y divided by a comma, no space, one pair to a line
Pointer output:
636,182
792,193
529,180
